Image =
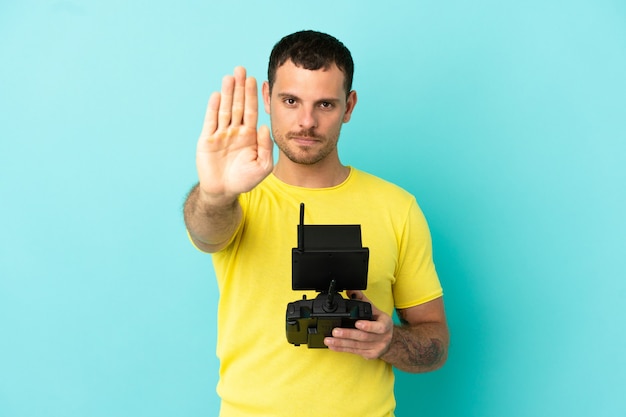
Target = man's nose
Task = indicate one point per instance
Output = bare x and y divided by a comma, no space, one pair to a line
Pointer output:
306,118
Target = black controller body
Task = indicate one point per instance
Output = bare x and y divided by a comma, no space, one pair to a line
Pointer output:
328,259
310,321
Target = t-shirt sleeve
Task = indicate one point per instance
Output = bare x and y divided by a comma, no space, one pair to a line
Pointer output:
416,278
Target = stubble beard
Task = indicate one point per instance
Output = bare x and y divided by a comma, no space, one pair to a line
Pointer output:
305,155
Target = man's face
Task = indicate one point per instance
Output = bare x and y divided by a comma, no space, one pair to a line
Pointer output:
307,109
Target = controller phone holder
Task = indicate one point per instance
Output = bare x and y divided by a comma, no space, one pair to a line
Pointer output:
328,259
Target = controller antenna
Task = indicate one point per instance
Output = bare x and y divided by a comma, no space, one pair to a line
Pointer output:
301,228
330,300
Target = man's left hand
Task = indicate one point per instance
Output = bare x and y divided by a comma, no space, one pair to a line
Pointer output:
370,339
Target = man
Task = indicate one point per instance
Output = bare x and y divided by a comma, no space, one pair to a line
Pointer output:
244,211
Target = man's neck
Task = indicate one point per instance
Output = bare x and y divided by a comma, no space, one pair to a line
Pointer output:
311,176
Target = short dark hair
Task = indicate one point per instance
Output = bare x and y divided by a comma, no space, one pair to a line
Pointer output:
311,50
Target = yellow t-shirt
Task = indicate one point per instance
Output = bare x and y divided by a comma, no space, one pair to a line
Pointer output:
261,374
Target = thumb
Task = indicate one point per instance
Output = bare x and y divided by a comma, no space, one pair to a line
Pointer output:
356,295
360,295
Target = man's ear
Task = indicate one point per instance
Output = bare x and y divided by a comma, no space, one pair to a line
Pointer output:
265,90
350,103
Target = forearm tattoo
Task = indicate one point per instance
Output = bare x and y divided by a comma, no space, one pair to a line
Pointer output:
416,352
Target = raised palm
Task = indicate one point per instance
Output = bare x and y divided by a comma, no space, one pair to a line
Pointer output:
232,156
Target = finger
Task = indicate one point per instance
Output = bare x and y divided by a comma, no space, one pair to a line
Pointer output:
365,353
265,147
354,335
226,103
238,96
366,350
379,326
251,113
210,117
342,344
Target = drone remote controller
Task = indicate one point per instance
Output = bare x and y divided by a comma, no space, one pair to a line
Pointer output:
328,259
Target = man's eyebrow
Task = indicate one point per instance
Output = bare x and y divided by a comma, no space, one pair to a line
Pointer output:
320,100
332,100
286,95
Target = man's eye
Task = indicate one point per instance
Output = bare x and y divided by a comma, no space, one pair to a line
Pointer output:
326,105
290,101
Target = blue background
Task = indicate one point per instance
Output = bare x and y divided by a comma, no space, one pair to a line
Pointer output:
505,119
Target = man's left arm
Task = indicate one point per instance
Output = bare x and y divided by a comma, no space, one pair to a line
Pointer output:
418,344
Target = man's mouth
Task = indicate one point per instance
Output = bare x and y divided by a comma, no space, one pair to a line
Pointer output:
304,139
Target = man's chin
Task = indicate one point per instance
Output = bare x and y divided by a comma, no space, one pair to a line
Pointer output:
304,158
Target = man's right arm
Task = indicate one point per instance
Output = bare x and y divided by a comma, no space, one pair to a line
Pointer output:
232,157
210,224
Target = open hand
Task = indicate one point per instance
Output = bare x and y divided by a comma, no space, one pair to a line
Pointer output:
232,157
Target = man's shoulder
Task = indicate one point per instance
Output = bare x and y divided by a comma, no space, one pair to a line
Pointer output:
367,179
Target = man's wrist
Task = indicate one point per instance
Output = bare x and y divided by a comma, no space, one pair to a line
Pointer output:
210,202
387,354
